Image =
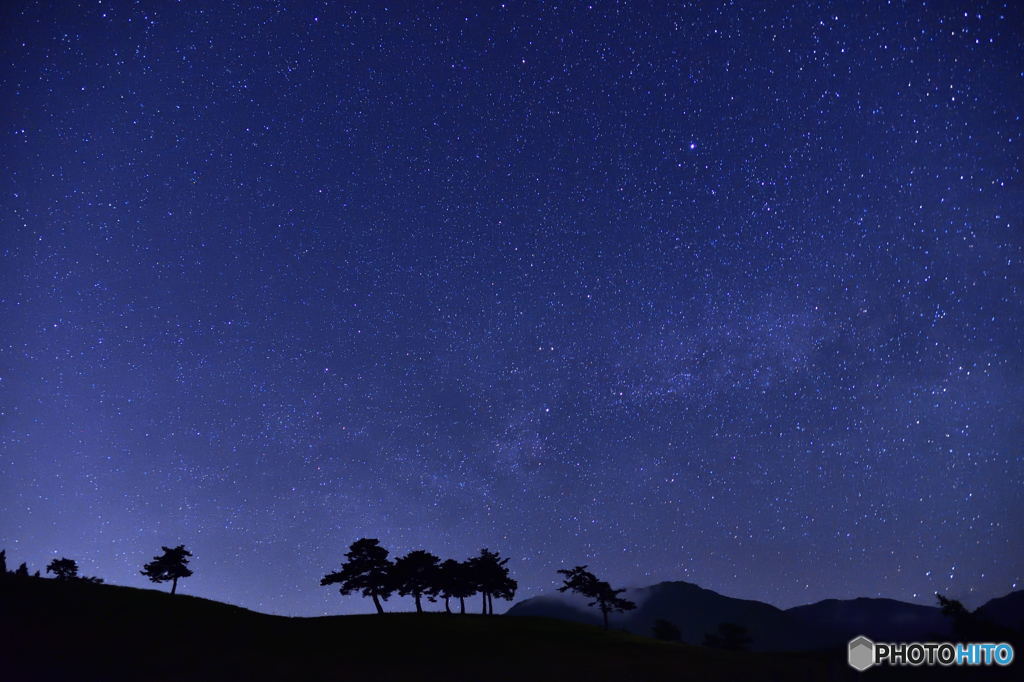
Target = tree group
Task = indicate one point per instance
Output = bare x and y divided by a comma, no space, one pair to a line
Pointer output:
67,569
63,569
20,572
422,575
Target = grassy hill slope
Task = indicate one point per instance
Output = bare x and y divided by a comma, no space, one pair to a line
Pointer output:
61,631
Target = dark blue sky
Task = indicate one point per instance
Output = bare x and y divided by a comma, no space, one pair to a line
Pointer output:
720,292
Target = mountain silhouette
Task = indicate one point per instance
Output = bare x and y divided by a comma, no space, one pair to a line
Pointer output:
827,624
882,620
695,611
1007,610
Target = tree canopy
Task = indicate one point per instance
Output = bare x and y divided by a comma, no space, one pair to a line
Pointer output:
489,573
455,581
366,570
170,566
416,574
63,569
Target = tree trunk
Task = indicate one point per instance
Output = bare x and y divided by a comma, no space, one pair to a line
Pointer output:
604,612
419,607
376,602
490,604
484,596
462,604
447,608
174,585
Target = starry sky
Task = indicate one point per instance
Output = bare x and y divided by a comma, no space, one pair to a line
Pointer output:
719,292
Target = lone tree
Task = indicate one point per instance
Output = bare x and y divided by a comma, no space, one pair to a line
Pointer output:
491,578
173,564
455,581
3,562
730,636
580,580
367,570
416,574
63,569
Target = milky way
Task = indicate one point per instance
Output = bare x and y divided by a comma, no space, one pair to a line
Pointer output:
727,294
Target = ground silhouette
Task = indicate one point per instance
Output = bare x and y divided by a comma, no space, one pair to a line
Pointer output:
123,633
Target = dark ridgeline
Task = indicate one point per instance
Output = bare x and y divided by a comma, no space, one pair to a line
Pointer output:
171,565
976,626
63,569
730,636
67,569
367,570
607,599
1006,611
420,574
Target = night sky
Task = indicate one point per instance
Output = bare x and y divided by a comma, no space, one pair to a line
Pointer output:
719,292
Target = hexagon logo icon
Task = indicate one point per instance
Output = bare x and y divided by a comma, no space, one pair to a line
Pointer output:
861,653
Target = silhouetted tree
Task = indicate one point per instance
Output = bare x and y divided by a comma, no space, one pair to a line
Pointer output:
171,565
490,577
582,581
3,562
730,636
455,581
416,574
63,569
666,631
367,570
22,571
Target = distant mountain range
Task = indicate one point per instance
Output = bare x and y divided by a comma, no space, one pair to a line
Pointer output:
825,624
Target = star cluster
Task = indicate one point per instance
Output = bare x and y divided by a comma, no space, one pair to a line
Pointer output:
721,292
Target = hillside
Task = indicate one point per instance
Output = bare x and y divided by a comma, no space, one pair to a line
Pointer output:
104,632
1007,611
76,631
